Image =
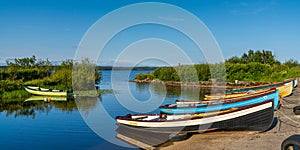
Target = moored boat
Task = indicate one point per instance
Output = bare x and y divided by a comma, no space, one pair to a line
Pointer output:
221,105
286,89
283,88
255,117
293,80
233,95
267,86
224,96
220,97
45,92
244,91
296,83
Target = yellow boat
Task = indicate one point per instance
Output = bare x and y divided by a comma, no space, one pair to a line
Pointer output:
286,89
232,95
222,96
45,92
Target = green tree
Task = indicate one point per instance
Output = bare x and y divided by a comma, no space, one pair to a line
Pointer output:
291,63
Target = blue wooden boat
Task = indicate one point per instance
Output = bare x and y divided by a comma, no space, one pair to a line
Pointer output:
222,105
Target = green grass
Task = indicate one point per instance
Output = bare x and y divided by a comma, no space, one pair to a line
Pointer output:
15,95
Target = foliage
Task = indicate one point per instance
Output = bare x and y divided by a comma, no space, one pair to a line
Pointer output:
252,66
264,57
27,69
85,76
291,63
147,76
15,94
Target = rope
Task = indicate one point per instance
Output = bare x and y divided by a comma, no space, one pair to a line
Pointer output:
295,126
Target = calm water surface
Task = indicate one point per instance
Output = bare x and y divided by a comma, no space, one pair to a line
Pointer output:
59,125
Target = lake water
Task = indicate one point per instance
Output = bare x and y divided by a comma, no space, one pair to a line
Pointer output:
60,125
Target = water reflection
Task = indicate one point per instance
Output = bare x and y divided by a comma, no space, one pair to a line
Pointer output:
190,93
35,105
86,104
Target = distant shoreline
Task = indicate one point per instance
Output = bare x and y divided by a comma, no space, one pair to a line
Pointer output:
125,68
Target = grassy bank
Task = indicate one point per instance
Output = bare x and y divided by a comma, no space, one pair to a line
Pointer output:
35,72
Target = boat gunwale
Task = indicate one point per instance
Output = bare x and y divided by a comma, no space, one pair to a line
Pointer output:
263,86
227,101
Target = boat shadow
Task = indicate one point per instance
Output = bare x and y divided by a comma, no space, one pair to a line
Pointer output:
148,140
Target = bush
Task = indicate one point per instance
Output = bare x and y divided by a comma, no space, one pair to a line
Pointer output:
141,76
253,71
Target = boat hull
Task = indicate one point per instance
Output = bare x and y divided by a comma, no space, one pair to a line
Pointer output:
144,139
45,92
258,117
286,89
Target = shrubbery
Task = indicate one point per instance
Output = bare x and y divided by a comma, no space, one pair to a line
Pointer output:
252,66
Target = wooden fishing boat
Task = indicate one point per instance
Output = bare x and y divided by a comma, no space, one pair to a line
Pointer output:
46,98
267,86
220,97
45,92
256,117
243,91
286,89
233,95
224,96
222,104
296,82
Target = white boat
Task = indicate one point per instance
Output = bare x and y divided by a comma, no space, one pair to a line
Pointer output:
256,117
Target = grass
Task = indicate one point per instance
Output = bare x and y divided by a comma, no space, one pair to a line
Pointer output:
14,95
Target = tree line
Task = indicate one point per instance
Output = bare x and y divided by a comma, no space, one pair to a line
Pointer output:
260,65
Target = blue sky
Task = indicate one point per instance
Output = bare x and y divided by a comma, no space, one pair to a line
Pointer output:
53,28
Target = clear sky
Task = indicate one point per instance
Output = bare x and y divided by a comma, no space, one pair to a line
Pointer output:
53,28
